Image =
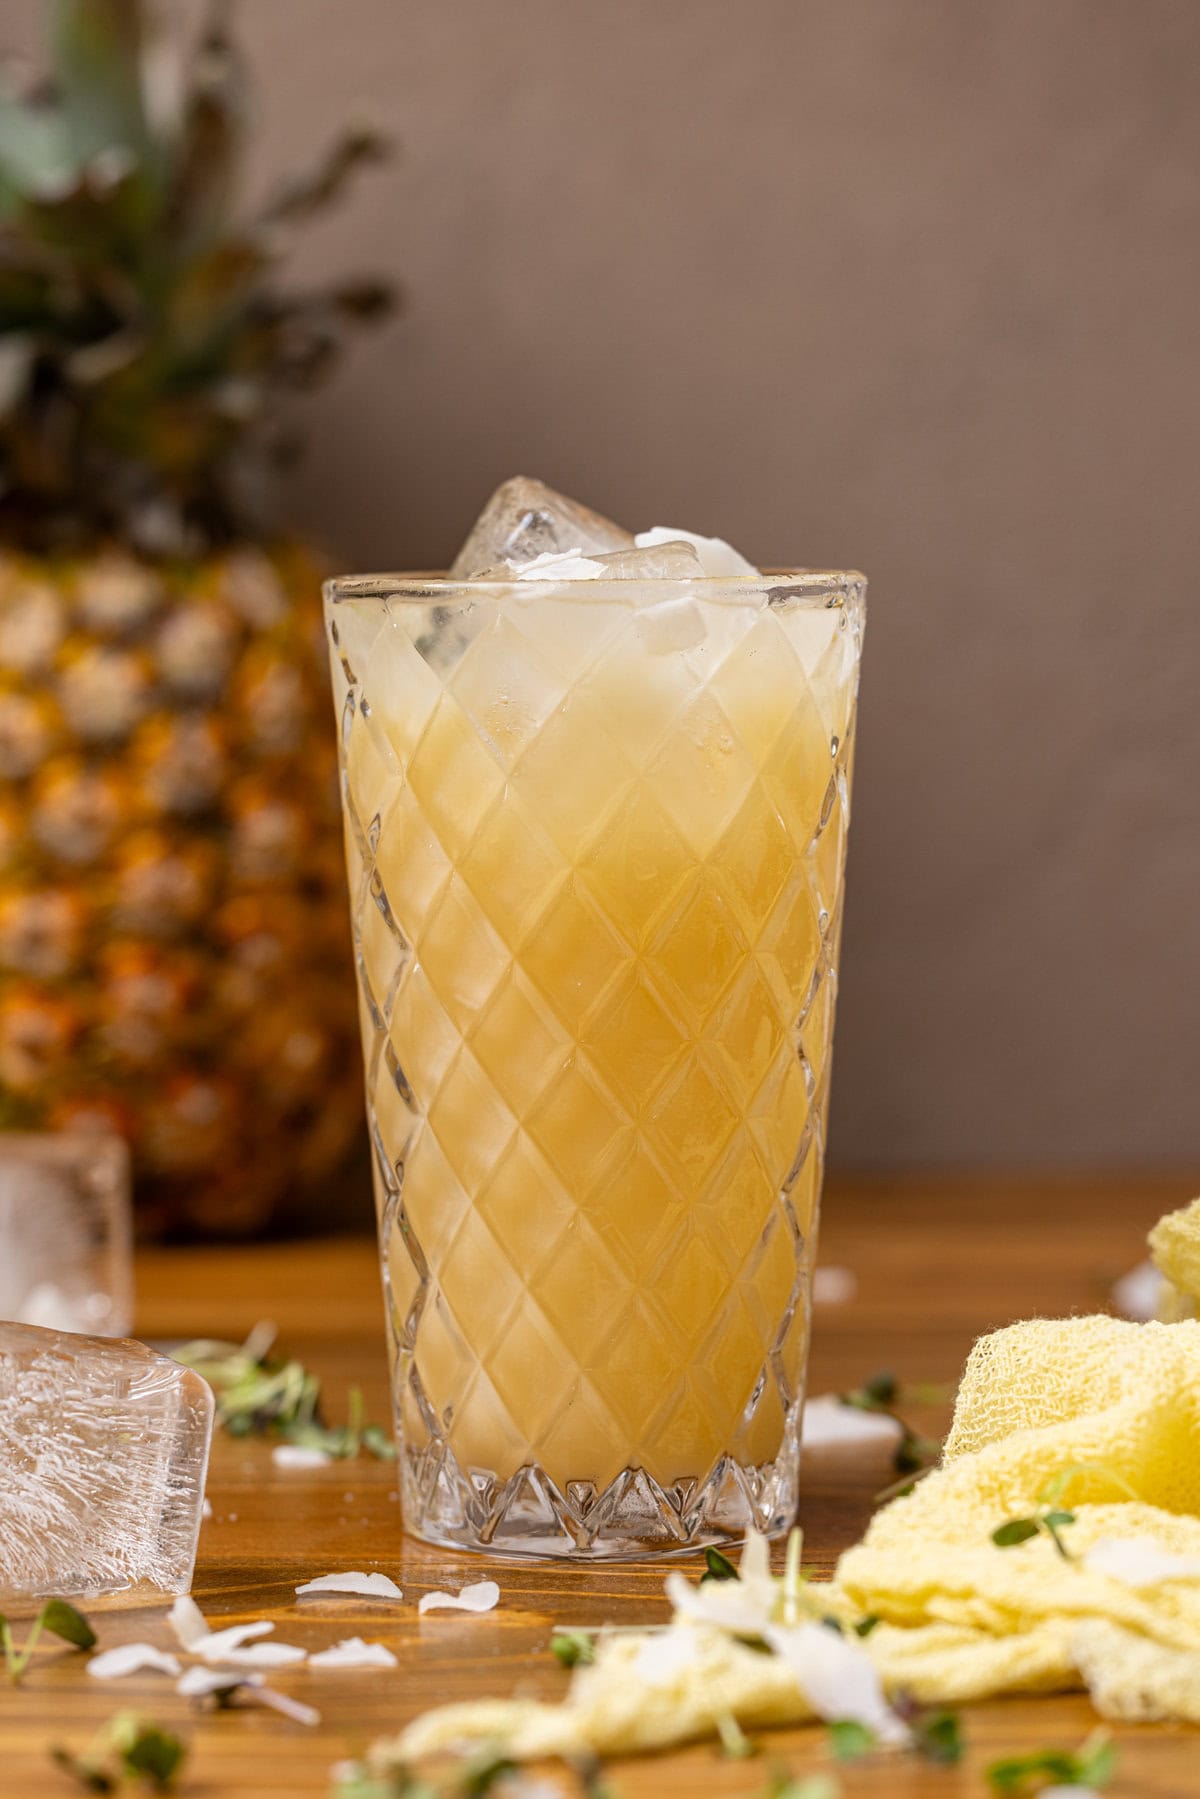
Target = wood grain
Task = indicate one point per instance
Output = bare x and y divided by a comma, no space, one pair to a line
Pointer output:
936,1262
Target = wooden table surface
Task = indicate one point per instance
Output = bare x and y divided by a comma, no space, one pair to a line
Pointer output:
936,1262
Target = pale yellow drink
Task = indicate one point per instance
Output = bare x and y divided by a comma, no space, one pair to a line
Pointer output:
597,860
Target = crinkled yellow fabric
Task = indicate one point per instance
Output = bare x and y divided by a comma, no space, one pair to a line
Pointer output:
1120,1404
1175,1252
643,1692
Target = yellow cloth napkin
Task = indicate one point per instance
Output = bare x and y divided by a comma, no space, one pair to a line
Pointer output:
1104,1409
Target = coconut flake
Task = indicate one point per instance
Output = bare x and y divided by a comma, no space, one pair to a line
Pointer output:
354,1653
838,1678
130,1658
1139,1561
1137,1294
298,1455
204,1683
833,1286
187,1621
198,1683
370,1586
481,1596
291,1708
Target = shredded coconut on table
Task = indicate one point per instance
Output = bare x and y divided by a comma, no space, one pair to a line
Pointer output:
481,1596
368,1586
294,1456
354,1653
131,1658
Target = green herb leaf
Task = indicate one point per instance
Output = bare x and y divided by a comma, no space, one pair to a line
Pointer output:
937,1736
812,1786
128,1747
570,1647
735,1744
93,1780
482,1771
877,1394
257,1396
155,1755
865,1626
1092,1765
719,1567
64,1621
850,1740
1097,1760
1015,1530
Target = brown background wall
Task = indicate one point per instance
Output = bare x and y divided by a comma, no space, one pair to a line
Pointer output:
910,284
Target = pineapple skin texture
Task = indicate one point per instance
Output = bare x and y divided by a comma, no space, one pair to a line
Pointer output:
174,944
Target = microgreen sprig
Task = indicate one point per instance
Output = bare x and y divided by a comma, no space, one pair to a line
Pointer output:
717,1566
1091,1765
882,1393
570,1648
1051,1517
128,1748
56,1616
782,1785
850,1741
735,1744
258,1396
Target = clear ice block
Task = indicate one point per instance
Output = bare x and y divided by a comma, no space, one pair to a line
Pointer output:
65,1236
103,1453
525,518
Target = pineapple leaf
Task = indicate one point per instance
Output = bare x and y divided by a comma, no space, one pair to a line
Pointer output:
35,152
97,52
299,199
204,180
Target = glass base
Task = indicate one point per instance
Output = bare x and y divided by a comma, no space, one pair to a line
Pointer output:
530,1517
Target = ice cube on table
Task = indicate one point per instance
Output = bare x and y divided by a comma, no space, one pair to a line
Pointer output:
66,1259
524,518
718,559
103,1452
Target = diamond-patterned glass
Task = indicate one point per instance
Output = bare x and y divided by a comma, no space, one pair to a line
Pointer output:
597,898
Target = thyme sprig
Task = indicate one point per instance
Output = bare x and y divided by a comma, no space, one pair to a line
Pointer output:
1093,1764
882,1393
261,1396
56,1616
1050,1516
127,1748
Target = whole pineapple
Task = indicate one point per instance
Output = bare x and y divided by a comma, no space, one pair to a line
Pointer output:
173,958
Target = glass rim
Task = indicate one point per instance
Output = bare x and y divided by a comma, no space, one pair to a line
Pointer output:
816,586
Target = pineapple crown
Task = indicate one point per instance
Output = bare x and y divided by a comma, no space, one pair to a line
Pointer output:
145,342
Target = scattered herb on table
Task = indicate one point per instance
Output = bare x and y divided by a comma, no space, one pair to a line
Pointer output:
783,1785
850,1741
882,1393
571,1647
735,1744
56,1616
1092,1765
718,1566
128,1748
935,1730
261,1396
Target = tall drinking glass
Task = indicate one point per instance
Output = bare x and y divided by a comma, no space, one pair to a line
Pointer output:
596,834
